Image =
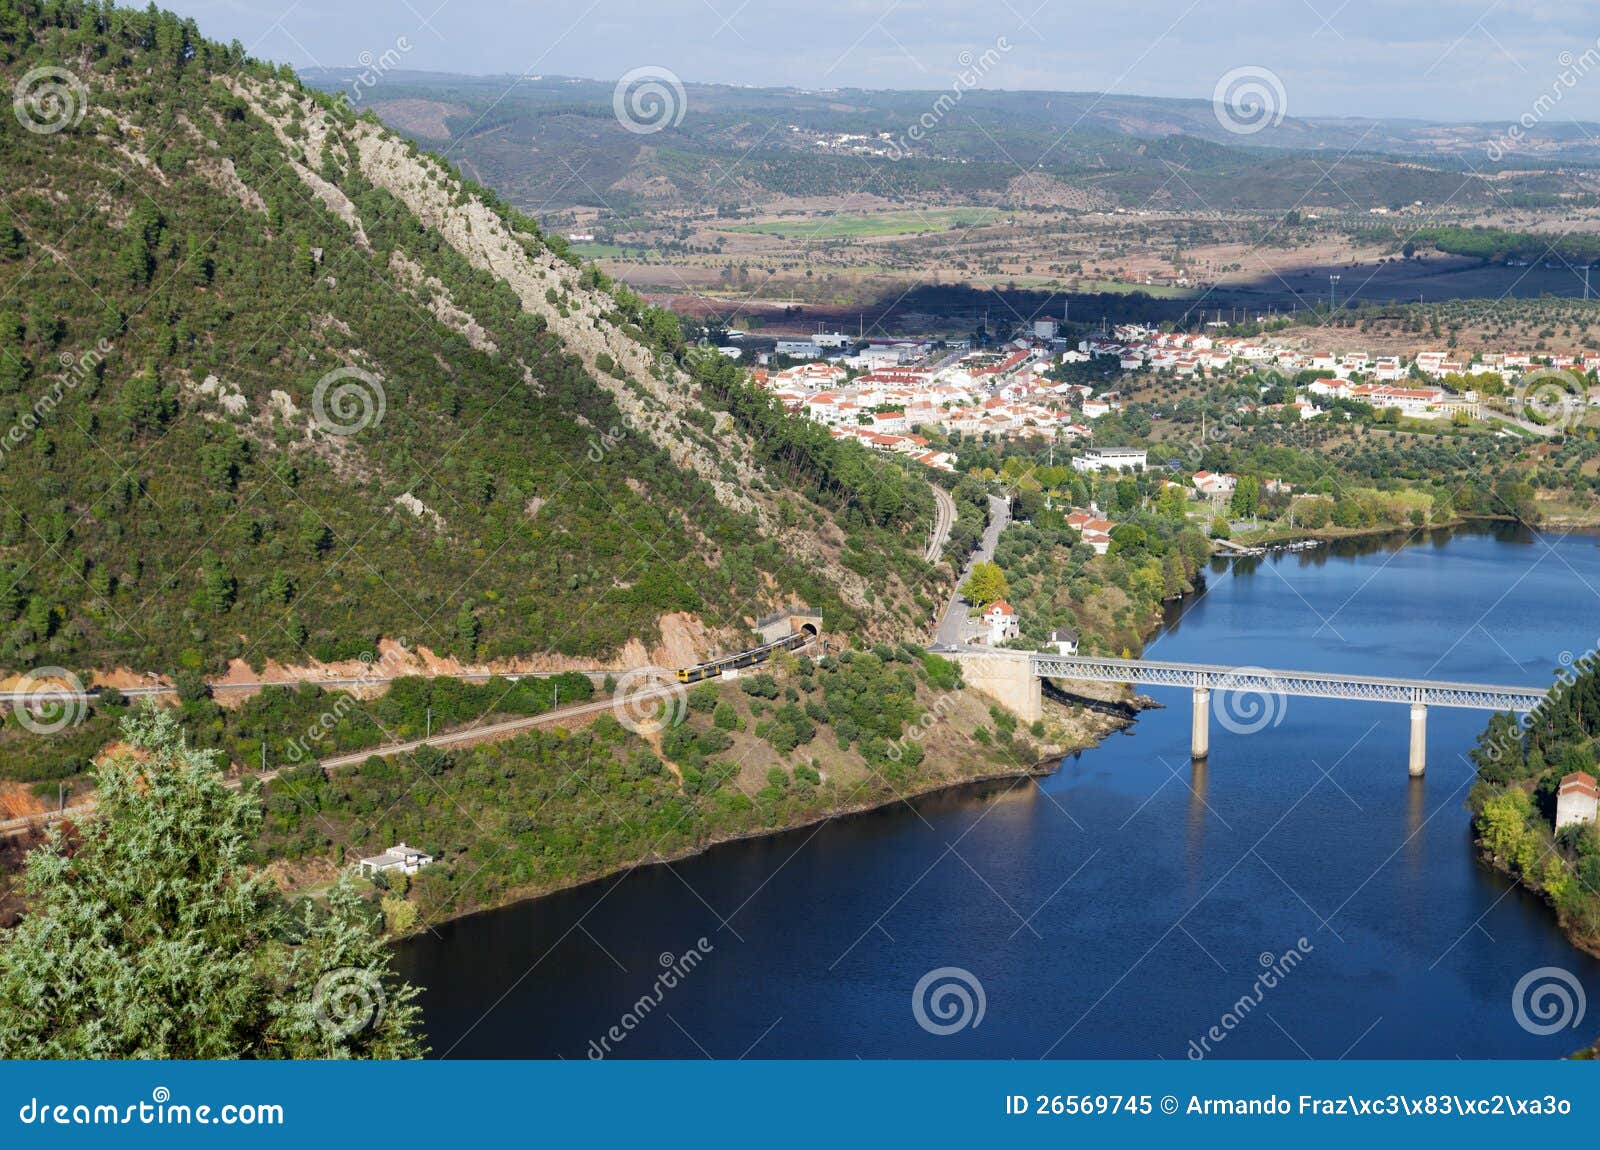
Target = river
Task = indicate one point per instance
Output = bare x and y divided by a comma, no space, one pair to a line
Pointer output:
1121,907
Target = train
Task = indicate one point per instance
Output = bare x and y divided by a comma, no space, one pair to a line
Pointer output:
748,658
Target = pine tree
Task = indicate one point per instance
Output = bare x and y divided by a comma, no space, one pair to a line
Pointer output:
153,936
10,596
217,587
12,245
468,627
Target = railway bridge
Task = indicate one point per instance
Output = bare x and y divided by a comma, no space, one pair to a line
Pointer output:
1013,677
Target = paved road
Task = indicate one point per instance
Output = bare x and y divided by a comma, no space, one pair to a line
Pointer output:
1543,430
955,611
944,519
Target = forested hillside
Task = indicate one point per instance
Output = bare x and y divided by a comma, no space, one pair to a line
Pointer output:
722,148
275,384
1520,767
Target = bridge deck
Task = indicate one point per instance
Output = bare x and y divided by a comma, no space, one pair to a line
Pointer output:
1315,684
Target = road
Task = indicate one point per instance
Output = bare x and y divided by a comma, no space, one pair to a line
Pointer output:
1542,430
944,518
955,611
463,737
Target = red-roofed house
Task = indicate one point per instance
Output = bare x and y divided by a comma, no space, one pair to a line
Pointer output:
1577,800
1001,620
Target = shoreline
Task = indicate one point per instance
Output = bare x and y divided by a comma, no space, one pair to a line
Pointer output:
1568,524
1587,945
1580,943
1039,770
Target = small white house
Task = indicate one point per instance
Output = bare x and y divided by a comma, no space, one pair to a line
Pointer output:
1065,640
400,857
1577,800
1001,619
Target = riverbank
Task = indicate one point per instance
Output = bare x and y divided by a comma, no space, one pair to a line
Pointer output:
796,744
1041,769
1105,725
1588,943
1037,906
1331,534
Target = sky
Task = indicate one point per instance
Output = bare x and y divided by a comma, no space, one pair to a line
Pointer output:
1489,60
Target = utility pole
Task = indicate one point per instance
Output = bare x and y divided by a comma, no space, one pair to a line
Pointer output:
429,734
1333,282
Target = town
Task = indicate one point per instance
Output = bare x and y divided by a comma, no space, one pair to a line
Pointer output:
888,394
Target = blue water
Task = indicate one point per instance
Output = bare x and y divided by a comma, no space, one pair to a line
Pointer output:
1119,908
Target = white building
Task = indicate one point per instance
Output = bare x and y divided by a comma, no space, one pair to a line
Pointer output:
1578,800
1065,640
1110,459
1213,485
798,349
400,857
1001,619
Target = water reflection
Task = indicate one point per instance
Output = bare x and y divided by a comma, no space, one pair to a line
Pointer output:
1199,812
1064,895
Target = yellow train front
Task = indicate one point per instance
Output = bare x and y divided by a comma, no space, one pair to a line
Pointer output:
750,658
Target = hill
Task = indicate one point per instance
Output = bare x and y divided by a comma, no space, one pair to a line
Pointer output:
277,384
723,147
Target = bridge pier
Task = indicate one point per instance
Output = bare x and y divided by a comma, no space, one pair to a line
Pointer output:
1006,677
1419,739
1200,729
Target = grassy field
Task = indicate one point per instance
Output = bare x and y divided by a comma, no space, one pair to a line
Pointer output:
877,224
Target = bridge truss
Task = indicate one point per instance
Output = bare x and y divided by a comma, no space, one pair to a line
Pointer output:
1313,684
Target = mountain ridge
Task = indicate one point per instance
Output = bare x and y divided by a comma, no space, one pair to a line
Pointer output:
528,464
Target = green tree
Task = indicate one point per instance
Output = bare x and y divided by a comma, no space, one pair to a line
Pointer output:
986,584
153,936
217,587
1171,503
468,628
1246,498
